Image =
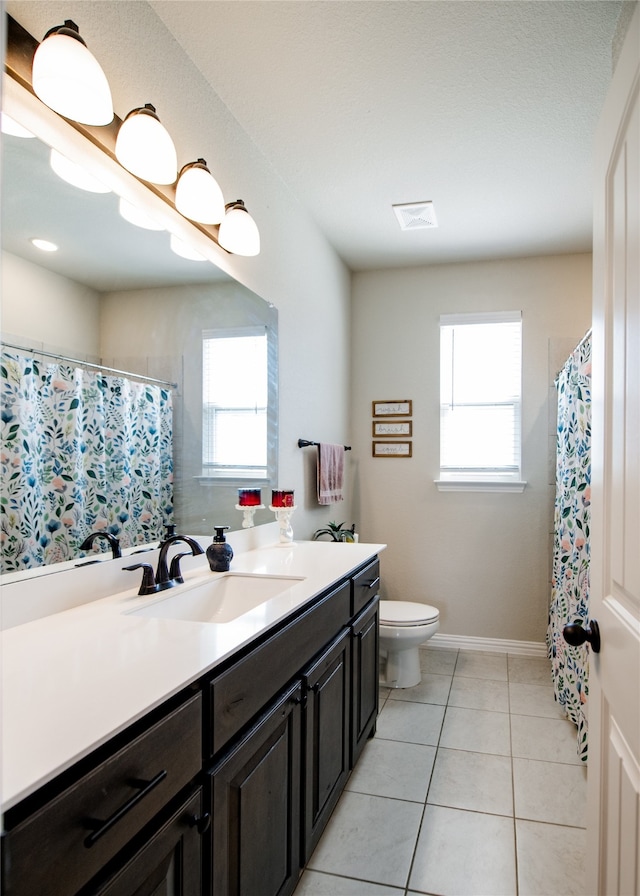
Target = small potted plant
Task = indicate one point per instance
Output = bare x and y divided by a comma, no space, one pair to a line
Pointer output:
336,531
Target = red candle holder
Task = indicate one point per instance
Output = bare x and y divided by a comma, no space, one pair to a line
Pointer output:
249,497
281,498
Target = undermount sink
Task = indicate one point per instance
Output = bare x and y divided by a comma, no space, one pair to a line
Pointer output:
218,600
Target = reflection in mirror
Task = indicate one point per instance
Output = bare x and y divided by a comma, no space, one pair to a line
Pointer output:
115,295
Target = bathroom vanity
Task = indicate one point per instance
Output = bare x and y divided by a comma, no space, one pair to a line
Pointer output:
223,783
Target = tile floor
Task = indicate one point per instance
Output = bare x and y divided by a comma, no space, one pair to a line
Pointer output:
471,787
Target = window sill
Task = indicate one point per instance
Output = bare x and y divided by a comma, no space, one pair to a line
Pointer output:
462,485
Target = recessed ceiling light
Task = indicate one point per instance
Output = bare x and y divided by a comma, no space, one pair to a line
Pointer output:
44,245
415,215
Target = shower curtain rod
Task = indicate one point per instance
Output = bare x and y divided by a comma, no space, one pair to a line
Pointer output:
101,367
584,338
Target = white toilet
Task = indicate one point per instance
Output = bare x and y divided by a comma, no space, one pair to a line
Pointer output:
404,625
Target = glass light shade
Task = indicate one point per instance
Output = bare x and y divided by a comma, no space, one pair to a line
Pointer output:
11,127
67,78
145,148
135,215
198,196
75,174
184,250
238,231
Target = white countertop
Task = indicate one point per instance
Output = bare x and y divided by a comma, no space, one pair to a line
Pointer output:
72,680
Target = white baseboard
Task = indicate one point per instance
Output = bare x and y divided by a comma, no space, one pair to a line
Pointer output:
492,645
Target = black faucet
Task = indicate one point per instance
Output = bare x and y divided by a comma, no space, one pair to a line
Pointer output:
113,541
165,577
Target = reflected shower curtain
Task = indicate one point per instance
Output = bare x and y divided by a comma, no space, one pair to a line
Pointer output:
570,576
81,452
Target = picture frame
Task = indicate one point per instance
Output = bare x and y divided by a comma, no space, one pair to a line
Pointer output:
391,449
392,408
391,429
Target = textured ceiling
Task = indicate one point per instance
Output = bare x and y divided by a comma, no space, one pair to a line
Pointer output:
486,108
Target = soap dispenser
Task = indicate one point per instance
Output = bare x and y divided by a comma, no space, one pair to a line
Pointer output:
219,552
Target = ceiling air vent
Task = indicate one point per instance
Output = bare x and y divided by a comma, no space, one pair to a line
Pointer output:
415,215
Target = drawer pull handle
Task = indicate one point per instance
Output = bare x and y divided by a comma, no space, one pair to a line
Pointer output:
100,828
201,823
375,583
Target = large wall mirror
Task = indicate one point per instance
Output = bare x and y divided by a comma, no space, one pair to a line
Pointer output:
117,295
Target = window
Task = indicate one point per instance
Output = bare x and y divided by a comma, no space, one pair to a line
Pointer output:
235,403
480,401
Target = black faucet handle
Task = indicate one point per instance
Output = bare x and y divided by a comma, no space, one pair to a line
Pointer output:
174,569
148,585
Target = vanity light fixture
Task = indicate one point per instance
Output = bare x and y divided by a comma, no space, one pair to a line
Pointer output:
238,231
11,127
198,196
184,250
44,245
135,215
67,77
145,148
75,174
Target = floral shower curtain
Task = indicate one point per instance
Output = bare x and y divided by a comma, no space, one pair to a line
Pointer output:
570,576
81,452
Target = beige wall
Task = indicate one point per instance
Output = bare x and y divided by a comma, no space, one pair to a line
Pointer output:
482,558
47,310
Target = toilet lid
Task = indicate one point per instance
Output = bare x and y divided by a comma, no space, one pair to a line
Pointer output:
405,612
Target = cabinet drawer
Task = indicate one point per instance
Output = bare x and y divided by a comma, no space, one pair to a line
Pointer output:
365,585
241,692
61,846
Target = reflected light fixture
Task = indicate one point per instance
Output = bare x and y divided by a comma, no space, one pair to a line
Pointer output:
67,77
145,148
198,196
135,215
238,231
184,250
44,245
75,174
11,127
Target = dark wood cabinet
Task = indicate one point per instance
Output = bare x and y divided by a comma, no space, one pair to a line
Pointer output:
170,862
255,799
63,844
364,679
326,726
226,789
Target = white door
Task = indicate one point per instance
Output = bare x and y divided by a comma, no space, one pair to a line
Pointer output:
614,678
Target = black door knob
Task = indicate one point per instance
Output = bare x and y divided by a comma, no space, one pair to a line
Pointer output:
576,634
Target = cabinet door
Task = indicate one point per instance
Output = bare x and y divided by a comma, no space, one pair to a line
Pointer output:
255,793
365,678
169,863
326,735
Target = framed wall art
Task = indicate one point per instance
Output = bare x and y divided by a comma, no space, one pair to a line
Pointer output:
391,449
391,429
392,408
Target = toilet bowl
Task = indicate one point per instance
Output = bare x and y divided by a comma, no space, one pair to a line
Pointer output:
404,625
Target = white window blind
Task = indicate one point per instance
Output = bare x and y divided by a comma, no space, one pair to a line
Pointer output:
480,397
234,402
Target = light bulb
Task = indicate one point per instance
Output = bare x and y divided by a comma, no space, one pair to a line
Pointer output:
67,77
238,231
11,127
198,196
44,245
75,174
184,250
145,148
135,215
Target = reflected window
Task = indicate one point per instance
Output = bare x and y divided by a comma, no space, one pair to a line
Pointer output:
235,391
